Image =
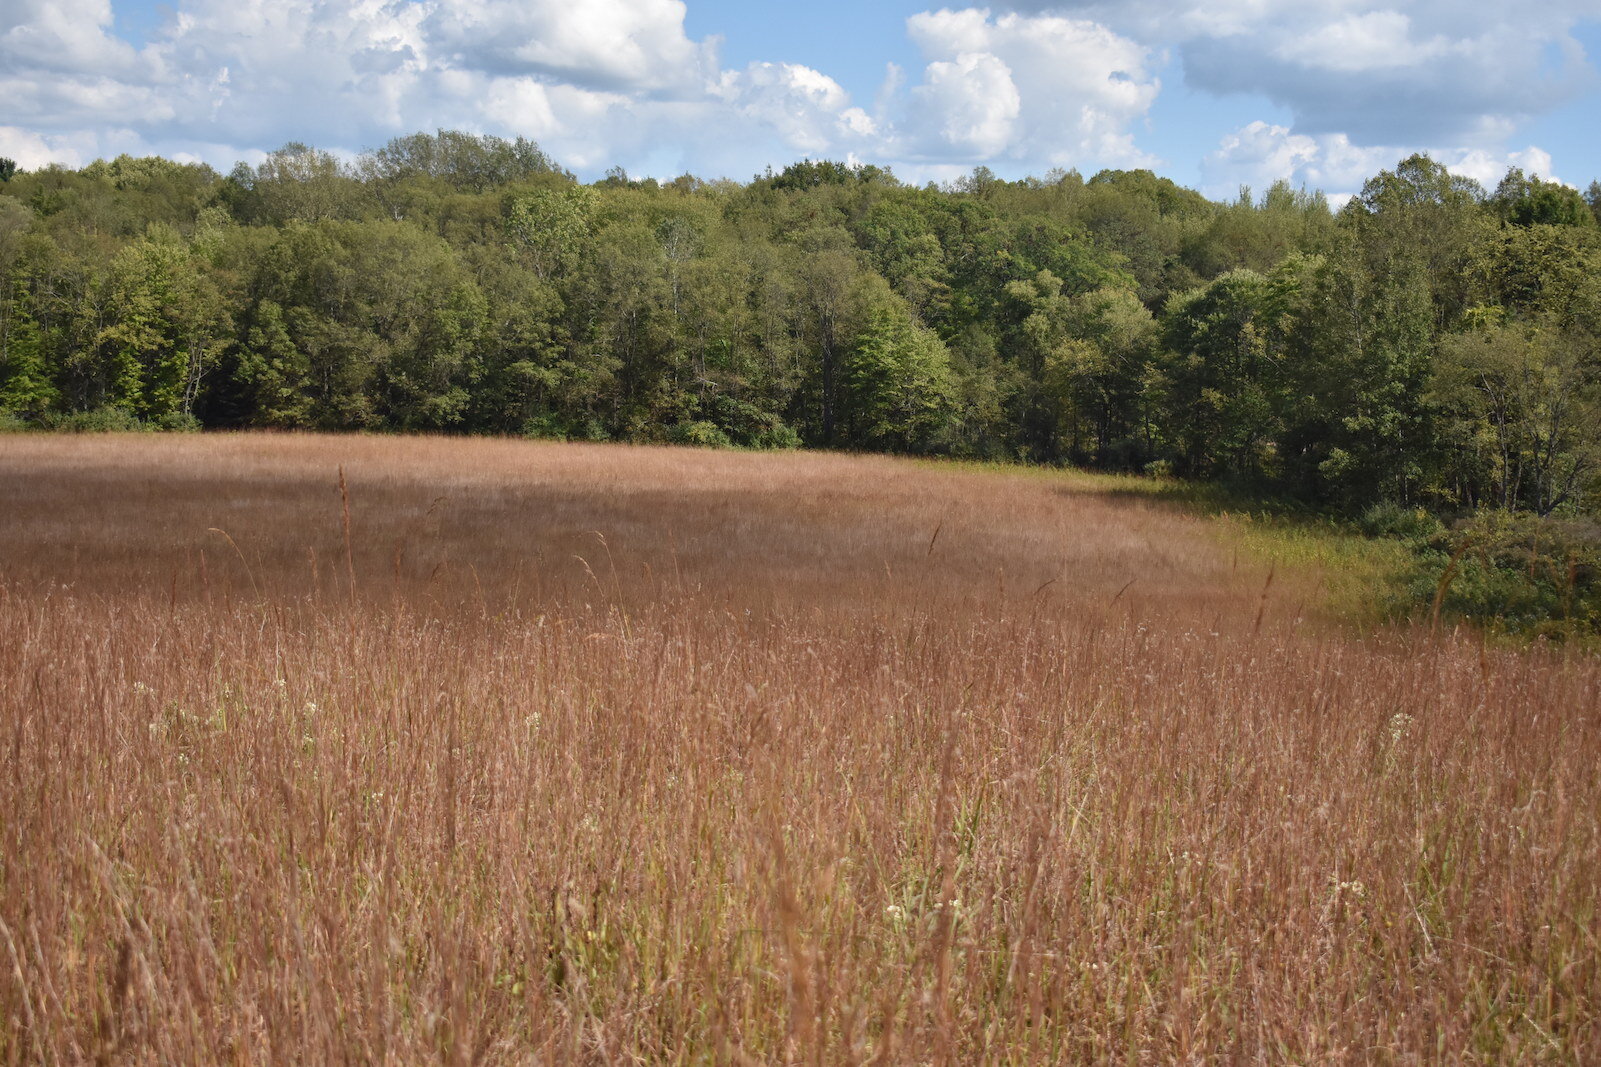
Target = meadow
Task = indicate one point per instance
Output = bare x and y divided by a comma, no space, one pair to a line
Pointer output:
396,750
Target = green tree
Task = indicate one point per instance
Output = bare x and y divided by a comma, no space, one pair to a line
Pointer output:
469,162
296,183
273,372
1218,398
25,385
1521,408
829,279
165,331
550,227
1525,201
1098,378
1420,224
898,385
1545,273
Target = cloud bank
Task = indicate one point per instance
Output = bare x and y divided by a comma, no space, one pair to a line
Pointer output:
1365,81
1022,87
600,82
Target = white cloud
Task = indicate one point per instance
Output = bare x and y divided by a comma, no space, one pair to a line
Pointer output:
1026,86
1260,154
805,108
31,151
1377,40
970,106
598,82
1044,90
344,73
605,44
1381,71
64,36
1488,168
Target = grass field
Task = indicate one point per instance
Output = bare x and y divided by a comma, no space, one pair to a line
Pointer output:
366,750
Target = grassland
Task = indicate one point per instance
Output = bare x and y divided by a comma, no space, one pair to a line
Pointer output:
373,750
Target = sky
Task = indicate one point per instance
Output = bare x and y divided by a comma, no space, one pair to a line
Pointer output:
1215,94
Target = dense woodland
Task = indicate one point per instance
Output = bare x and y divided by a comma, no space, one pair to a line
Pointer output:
1432,344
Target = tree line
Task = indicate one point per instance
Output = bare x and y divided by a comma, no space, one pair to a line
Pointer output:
1430,344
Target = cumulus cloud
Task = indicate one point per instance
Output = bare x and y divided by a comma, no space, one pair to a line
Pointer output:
1261,153
805,108
969,106
63,36
1042,89
343,73
596,83
31,150
1380,71
599,44
1024,86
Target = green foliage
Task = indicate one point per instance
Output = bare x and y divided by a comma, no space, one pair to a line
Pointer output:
273,371
1430,345
550,226
296,183
1520,407
8,168
1220,377
1413,525
26,389
462,161
1525,201
899,384
1518,574
99,420
809,174
699,433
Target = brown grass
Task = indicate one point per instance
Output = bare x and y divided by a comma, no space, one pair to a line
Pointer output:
604,754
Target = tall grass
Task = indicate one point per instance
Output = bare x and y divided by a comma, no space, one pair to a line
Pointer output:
624,754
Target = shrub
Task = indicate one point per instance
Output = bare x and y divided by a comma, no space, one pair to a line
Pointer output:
699,433
1394,520
100,420
1516,573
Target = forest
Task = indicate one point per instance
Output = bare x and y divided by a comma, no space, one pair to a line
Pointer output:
1431,345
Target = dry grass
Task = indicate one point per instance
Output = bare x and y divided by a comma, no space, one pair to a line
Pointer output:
621,755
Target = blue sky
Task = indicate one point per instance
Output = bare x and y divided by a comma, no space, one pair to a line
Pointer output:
1213,93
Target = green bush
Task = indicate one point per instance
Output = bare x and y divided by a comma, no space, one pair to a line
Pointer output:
699,433
545,427
100,420
777,437
1403,523
549,426
1515,573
